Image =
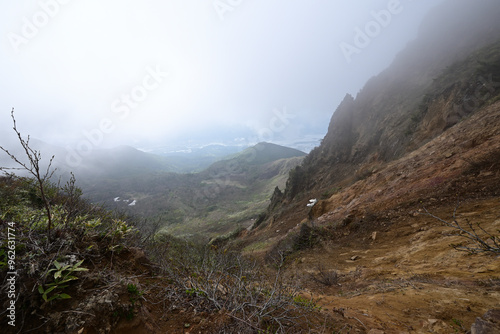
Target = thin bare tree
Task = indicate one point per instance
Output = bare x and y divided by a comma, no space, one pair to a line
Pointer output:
33,167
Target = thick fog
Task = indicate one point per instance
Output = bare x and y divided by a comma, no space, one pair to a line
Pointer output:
91,74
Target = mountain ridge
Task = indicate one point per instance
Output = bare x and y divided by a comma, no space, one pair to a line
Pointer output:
393,112
393,116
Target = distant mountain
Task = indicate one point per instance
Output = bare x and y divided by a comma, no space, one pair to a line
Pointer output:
229,193
266,152
195,159
122,161
259,154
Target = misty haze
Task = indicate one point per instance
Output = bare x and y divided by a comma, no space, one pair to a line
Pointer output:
232,166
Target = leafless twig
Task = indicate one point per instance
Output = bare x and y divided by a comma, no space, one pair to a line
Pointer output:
484,243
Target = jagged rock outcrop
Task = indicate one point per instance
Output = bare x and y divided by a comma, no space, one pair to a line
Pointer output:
446,74
489,323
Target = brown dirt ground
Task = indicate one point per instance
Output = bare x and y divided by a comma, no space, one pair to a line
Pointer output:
406,277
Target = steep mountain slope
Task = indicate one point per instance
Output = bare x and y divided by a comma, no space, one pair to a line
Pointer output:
422,135
371,252
414,100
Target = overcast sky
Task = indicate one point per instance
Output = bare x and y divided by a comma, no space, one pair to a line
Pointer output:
134,72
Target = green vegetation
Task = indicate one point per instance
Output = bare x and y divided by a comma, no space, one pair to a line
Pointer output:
81,233
63,273
257,246
228,195
133,290
261,154
134,296
307,303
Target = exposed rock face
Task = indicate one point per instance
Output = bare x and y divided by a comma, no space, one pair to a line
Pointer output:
341,136
417,98
489,323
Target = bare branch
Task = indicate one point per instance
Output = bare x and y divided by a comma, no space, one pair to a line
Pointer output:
34,158
484,243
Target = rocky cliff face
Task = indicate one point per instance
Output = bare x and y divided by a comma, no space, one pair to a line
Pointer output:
449,72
